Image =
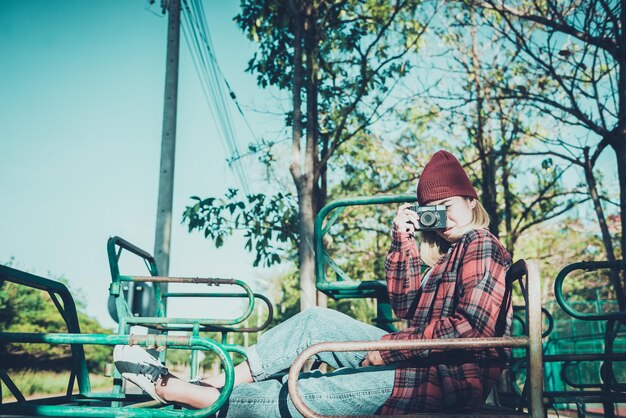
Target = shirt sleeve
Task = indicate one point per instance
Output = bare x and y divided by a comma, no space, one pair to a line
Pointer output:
481,283
402,267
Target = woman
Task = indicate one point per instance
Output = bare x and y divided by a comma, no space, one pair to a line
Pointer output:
458,297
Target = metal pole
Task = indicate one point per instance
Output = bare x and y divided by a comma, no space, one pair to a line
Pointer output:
534,320
168,144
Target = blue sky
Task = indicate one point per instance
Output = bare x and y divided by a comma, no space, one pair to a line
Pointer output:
81,104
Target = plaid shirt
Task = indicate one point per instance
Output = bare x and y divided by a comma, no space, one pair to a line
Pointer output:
461,299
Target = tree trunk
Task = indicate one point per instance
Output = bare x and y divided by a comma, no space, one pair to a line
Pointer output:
604,229
308,292
482,140
488,181
309,189
620,151
299,173
619,139
508,201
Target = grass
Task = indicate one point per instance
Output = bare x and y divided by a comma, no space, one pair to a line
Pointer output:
37,383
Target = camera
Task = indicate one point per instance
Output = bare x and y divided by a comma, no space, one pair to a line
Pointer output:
430,217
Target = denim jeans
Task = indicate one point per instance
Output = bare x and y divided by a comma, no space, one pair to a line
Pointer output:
349,390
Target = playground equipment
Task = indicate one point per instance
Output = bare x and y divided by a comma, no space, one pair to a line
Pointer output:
590,339
117,403
125,296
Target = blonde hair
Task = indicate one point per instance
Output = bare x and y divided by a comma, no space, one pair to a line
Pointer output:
432,246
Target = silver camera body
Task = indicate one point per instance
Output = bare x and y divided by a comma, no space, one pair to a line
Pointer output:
431,218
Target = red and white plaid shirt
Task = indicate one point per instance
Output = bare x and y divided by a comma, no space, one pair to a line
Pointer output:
461,299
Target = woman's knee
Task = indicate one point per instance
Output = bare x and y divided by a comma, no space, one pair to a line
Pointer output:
319,315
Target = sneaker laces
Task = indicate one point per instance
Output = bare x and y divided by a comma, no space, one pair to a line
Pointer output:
151,371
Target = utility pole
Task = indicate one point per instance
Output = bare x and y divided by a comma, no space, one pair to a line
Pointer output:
168,143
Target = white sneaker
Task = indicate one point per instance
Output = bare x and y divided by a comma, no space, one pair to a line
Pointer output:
138,366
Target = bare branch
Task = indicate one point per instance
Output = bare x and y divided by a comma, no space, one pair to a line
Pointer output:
608,44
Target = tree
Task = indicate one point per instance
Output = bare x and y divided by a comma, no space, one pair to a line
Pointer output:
344,59
24,309
474,69
574,51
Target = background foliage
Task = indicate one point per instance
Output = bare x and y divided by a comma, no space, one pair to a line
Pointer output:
24,309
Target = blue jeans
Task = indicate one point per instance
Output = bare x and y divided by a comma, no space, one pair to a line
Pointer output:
349,390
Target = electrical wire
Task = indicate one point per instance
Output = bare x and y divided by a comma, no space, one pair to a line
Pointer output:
213,82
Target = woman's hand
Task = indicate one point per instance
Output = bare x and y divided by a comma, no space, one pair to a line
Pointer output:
373,358
406,220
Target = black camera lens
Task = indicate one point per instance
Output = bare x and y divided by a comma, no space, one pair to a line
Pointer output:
428,219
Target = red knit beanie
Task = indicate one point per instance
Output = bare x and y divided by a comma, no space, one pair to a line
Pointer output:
443,177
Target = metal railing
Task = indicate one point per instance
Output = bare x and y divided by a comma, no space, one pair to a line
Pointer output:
532,342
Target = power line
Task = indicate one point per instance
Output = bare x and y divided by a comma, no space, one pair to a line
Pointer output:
212,80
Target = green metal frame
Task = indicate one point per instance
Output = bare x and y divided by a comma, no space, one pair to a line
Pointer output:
586,265
68,312
43,408
609,391
87,403
115,246
345,287
160,321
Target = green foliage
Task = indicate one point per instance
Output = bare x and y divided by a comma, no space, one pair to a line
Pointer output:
269,223
287,294
344,31
38,382
24,309
358,49
556,245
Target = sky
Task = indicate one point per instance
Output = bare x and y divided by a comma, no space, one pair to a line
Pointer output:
81,107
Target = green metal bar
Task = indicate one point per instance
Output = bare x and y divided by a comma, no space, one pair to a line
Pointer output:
522,320
148,320
585,265
331,221
119,244
384,314
203,295
268,320
193,360
72,379
351,285
354,294
342,275
234,348
58,305
15,391
79,365
29,408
